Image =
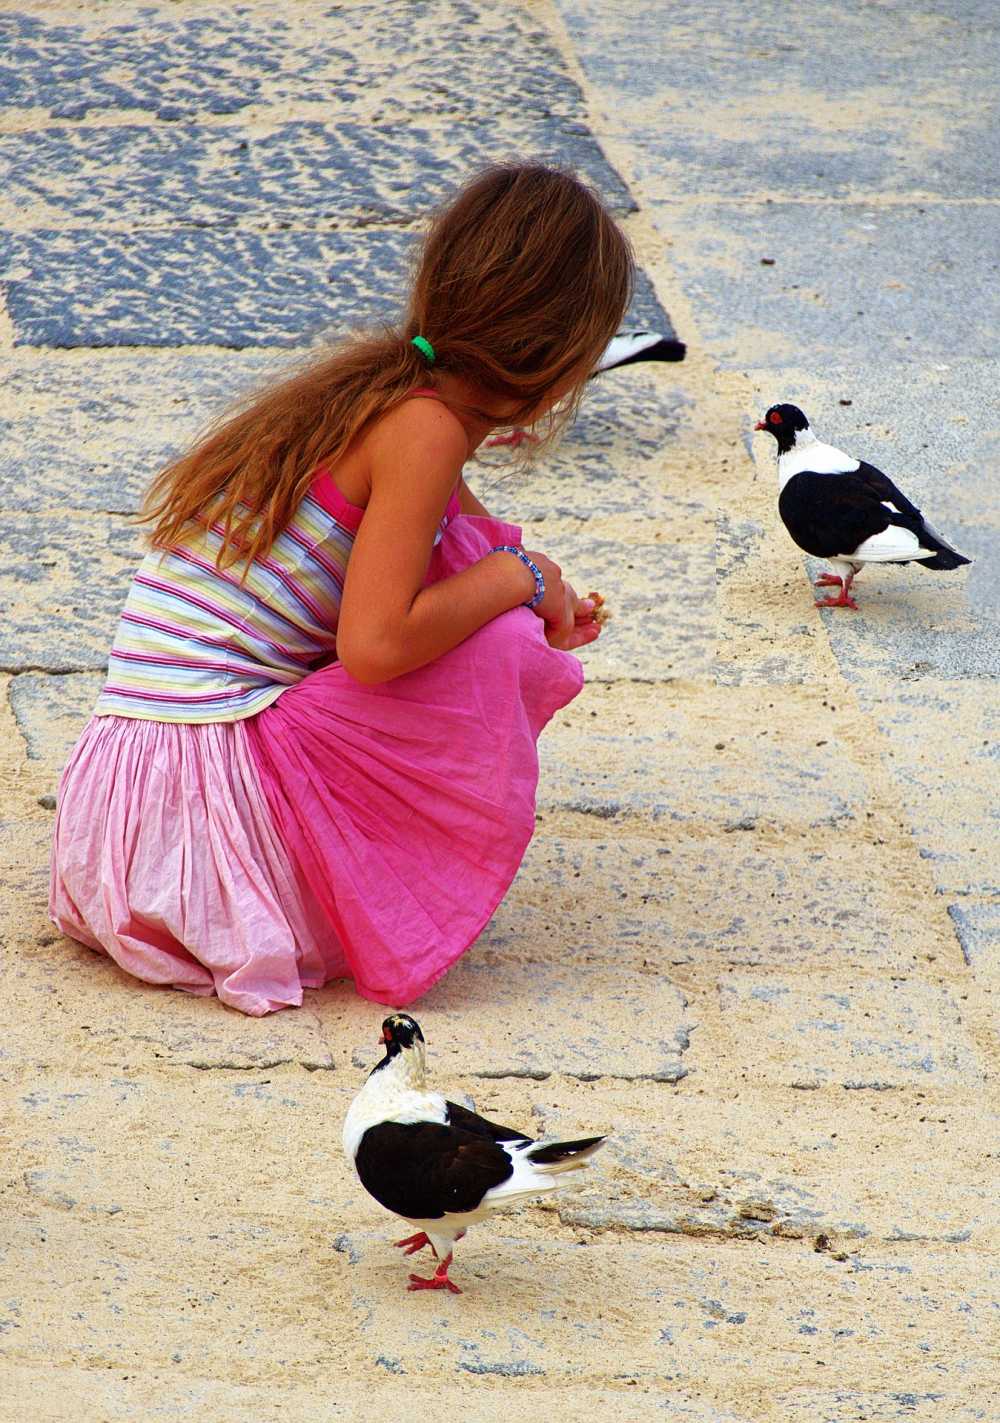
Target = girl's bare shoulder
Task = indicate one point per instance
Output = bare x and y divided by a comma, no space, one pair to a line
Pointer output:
419,426
418,432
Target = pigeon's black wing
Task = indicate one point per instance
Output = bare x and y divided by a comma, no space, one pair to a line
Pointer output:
422,1170
831,514
468,1121
945,557
882,486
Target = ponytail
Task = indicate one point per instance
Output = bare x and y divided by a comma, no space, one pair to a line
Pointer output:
251,471
520,283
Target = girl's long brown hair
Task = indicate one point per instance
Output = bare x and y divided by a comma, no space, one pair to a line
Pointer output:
521,281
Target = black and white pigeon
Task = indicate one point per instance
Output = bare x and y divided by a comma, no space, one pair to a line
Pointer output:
845,510
625,349
436,1164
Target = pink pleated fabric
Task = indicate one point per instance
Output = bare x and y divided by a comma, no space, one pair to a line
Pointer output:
166,857
408,806
345,830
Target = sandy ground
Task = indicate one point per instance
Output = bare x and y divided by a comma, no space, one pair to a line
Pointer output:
755,936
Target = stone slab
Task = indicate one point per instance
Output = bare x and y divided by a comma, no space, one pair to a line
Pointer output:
675,757
25,842
537,1001
58,1125
883,279
89,430
73,1000
668,1164
943,741
914,624
647,903
51,709
936,1403
299,172
61,987
693,1314
204,287
861,1033
746,110
660,592
145,1393
76,1185
614,462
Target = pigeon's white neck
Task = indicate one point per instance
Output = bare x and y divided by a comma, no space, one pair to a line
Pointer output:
812,454
804,437
790,460
395,1092
409,1066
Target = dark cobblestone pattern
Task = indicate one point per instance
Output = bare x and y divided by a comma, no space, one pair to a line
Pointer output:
296,173
177,65
193,287
212,288
184,230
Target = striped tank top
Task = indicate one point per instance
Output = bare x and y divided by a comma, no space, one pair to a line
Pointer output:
194,644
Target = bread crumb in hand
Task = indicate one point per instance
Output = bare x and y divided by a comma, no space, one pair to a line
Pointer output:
602,614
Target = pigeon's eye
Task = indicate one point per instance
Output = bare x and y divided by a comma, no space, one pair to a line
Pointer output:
774,418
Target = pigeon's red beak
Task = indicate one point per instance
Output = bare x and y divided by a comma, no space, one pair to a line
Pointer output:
382,1038
760,425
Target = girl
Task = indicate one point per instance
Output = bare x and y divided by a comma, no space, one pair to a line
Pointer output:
314,755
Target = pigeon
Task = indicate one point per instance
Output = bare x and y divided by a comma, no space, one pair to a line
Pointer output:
844,510
438,1165
625,349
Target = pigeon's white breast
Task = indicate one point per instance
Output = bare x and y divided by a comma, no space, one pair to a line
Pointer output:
384,1098
816,456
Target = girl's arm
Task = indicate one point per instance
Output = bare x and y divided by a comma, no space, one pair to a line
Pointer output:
389,623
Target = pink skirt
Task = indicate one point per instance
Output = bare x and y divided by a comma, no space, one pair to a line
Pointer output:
345,831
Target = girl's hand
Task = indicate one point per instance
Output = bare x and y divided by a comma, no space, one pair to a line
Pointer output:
569,620
577,626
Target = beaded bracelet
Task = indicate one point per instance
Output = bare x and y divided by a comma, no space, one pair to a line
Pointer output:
539,580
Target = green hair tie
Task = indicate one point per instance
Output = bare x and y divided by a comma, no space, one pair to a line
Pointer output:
424,347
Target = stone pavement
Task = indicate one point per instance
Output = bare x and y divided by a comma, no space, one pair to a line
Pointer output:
756,935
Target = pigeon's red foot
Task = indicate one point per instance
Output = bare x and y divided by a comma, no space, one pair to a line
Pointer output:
438,1281
844,601
516,438
413,1243
829,580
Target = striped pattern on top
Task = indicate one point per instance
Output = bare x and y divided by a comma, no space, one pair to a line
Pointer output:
196,645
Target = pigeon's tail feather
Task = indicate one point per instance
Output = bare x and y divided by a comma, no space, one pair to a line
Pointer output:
564,1155
540,1169
945,557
